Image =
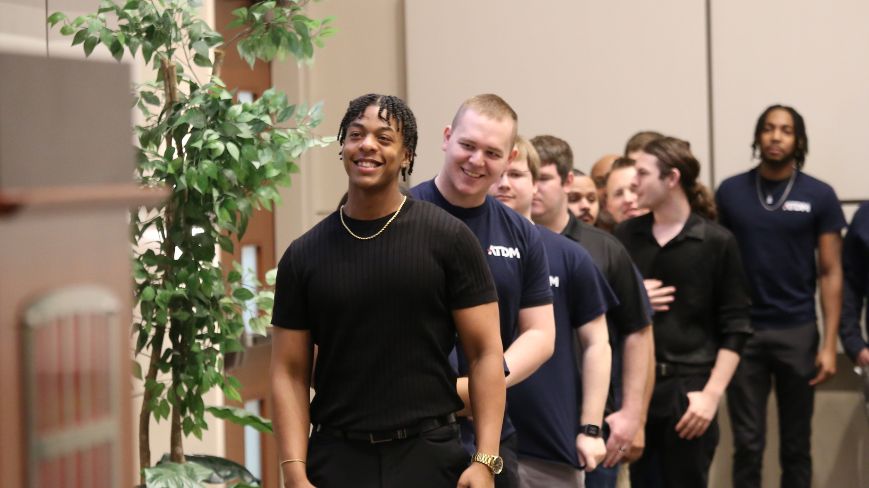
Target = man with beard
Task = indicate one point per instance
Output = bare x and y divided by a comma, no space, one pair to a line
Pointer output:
780,217
629,322
582,198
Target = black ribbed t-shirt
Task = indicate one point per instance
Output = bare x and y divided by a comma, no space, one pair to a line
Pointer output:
381,313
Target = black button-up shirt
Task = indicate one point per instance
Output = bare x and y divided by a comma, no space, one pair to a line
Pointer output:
711,305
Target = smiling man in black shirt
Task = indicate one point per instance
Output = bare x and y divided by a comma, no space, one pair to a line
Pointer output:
382,286
698,340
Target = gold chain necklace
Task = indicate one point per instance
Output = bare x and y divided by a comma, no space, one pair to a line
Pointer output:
341,216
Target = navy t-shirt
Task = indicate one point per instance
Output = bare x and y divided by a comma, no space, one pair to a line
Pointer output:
855,262
546,407
516,257
778,247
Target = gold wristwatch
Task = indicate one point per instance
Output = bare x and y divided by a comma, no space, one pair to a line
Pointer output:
494,463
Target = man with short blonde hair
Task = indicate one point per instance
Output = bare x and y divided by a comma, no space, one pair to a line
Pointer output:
478,146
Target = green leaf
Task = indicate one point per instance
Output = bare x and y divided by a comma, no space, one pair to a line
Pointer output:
148,294
172,475
231,392
223,470
242,294
201,60
272,276
195,118
232,149
117,50
137,370
80,36
200,48
150,98
67,30
55,18
147,50
234,276
89,44
241,417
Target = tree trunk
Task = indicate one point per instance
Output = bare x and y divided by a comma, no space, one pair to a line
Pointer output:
176,440
145,413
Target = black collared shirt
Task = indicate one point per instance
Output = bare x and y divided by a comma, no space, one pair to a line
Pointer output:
712,305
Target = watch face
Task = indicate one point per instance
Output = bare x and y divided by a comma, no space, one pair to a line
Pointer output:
497,465
592,430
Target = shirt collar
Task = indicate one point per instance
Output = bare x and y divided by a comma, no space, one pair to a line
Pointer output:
572,227
694,228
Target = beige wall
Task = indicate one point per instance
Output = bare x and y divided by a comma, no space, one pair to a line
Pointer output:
798,52
592,73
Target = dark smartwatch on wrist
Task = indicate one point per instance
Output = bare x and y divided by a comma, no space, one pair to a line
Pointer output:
590,430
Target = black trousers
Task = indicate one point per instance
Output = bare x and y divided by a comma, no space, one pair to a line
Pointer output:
668,461
783,359
434,459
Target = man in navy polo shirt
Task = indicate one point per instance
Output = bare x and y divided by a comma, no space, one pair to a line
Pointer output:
629,330
855,263
780,217
477,147
558,423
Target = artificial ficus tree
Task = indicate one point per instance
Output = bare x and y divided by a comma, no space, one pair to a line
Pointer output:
222,160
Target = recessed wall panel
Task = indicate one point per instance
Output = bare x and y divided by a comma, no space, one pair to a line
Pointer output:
592,73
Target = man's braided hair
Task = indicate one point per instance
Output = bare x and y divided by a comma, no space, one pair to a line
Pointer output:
390,108
801,145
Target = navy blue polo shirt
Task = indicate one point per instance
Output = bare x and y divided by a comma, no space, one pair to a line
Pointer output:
778,246
546,407
517,259
855,263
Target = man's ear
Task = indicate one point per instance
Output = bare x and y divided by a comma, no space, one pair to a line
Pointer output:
513,153
673,178
448,132
568,182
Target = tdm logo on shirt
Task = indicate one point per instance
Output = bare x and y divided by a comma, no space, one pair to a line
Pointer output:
553,281
796,206
504,252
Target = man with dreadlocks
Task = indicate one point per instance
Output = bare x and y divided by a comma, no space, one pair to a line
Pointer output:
780,216
381,287
478,146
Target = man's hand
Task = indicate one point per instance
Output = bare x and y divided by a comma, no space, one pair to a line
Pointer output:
702,406
295,476
623,429
863,357
638,445
590,450
826,363
660,296
477,475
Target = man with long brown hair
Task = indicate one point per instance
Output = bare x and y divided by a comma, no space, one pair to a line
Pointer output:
699,338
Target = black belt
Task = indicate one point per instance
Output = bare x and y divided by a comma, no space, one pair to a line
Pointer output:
377,437
663,370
